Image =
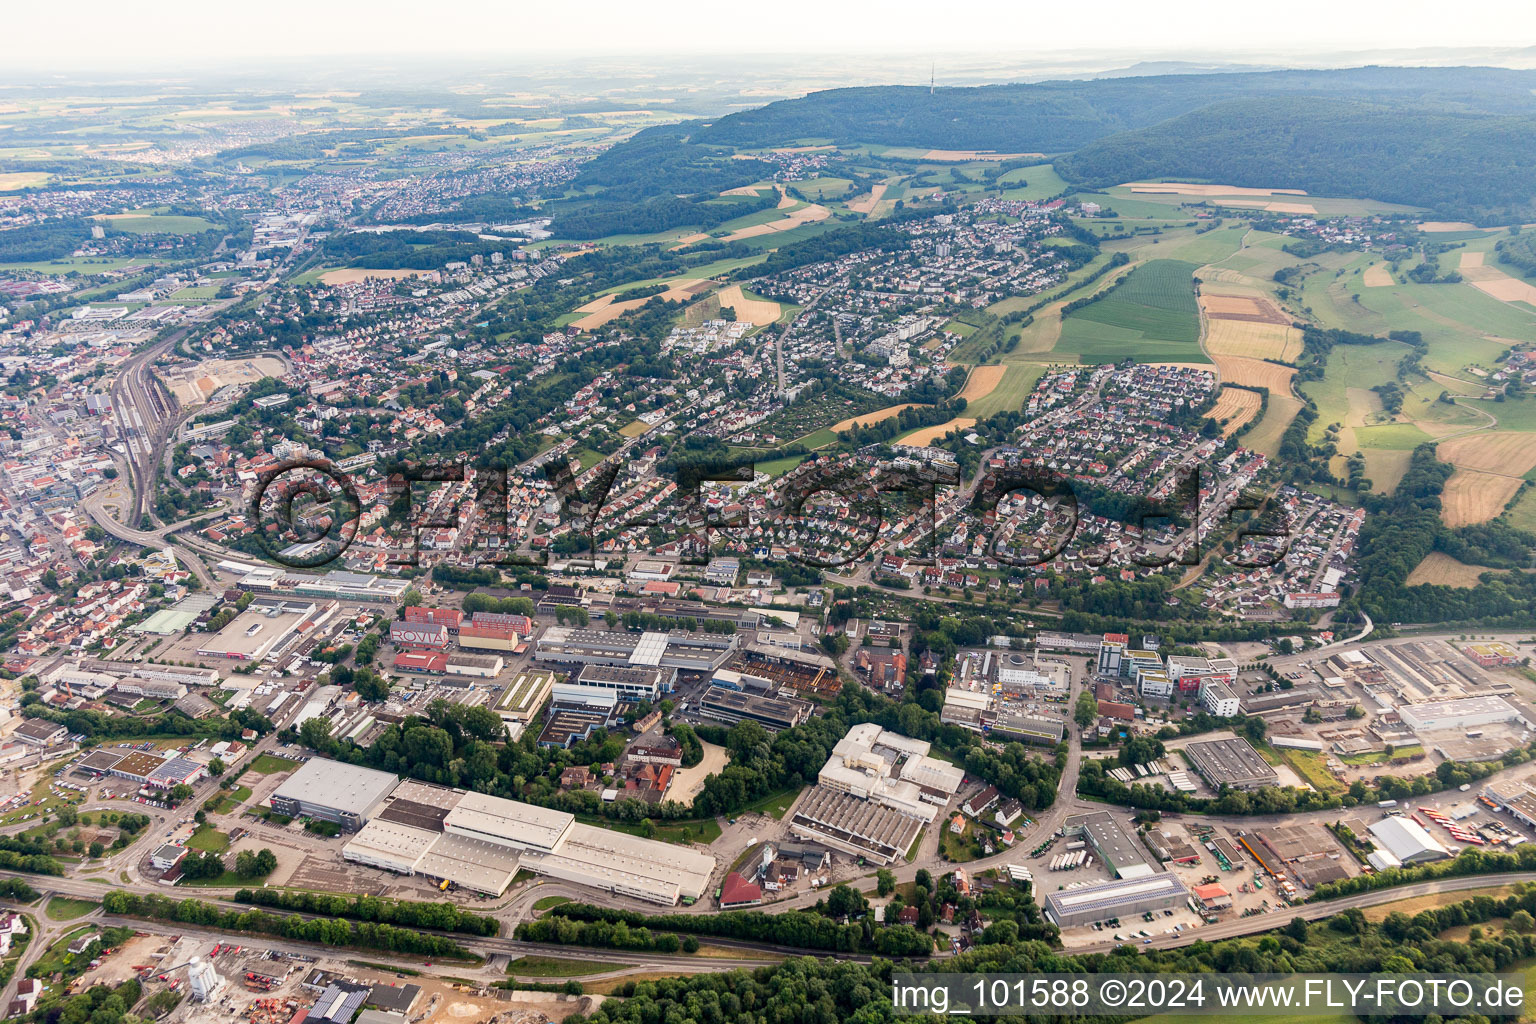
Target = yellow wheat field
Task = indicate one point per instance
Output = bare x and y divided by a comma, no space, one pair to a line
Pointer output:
1253,340
1378,276
1493,281
866,202
756,312
1255,373
982,382
603,309
1181,188
1236,407
921,438
794,219
1471,497
1443,570
1471,259
871,418
1507,452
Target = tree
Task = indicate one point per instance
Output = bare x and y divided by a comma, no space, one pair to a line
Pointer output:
216,767
885,882
1086,711
845,901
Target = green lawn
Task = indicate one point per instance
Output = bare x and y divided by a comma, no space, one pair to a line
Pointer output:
210,839
556,967
775,805
228,800
1150,317
702,830
270,764
62,908
546,902
1394,436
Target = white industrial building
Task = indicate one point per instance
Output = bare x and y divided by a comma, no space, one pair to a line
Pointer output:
888,768
335,791
1465,713
1404,841
480,842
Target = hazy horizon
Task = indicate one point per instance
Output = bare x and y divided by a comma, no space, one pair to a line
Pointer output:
182,36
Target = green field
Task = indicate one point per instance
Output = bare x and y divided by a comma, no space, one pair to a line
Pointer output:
1350,367
1150,317
209,839
1522,513
555,967
1030,183
269,764
161,225
775,805
1393,436
62,908
1012,391
822,188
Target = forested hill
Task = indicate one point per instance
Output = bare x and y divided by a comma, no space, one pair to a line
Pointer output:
1463,166
1054,117
1455,141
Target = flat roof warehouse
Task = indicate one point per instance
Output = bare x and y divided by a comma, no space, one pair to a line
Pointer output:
480,841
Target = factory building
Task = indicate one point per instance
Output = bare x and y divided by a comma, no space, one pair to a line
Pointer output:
1406,842
1465,713
265,626
1121,854
1231,762
690,652
772,713
333,791
859,828
628,684
1125,898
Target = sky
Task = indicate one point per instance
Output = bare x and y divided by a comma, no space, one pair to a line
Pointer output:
167,34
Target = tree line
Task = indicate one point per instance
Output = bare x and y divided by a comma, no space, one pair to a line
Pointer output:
443,917
327,932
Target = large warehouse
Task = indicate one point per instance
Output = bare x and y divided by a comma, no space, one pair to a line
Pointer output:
691,652
861,828
1121,853
480,842
1231,762
333,791
265,625
1406,841
1466,713
1071,908
773,713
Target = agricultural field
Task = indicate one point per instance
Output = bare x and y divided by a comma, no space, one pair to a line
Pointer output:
158,224
1471,497
1234,407
1151,317
1265,436
1443,570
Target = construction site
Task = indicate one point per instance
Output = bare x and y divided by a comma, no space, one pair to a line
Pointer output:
241,983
